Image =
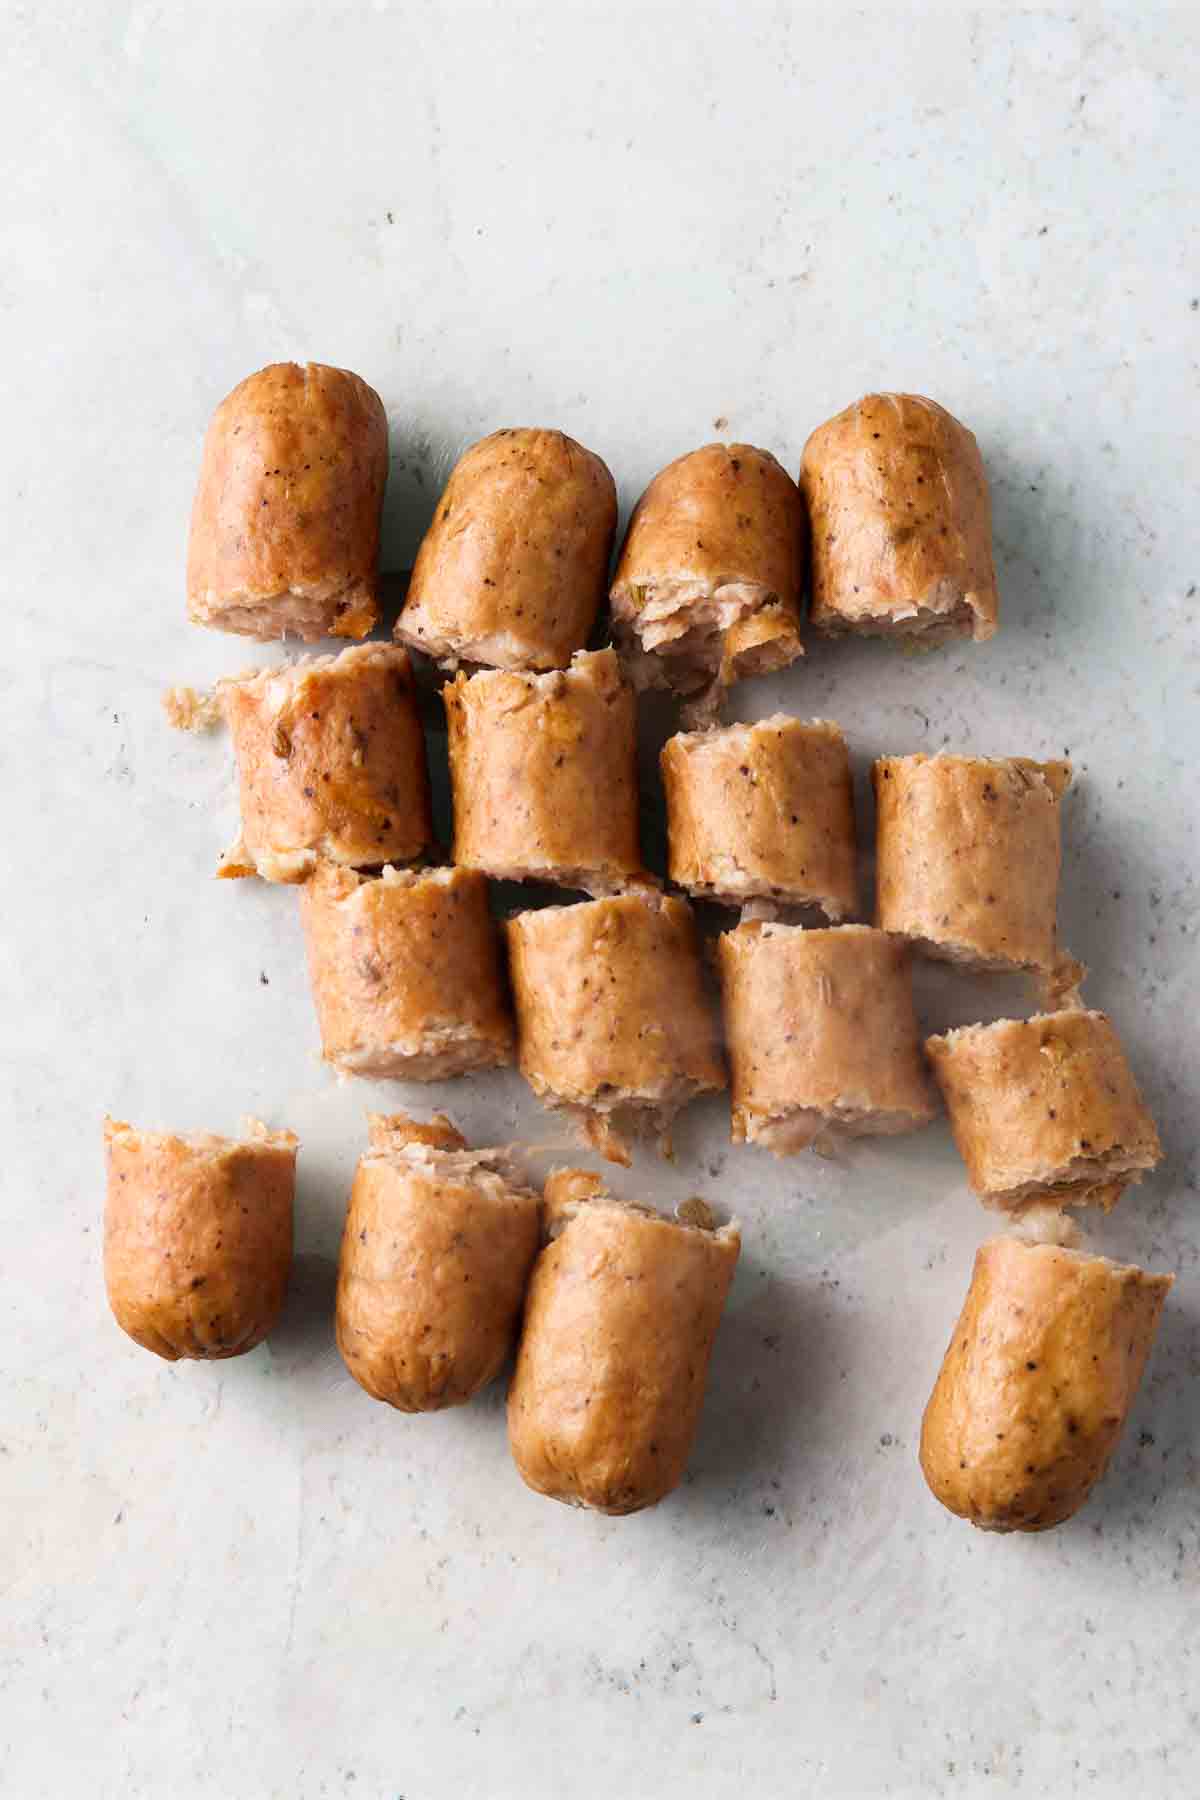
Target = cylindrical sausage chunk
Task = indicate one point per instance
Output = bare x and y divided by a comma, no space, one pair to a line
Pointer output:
544,774
511,573
285,523
707,588
331,762
901,523
1045,1109
436,1252
405,973
613,1023
822,1035
1037,1383
197,1236
620,1319
763,812
968,850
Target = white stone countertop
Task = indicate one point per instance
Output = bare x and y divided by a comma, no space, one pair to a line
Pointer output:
649,225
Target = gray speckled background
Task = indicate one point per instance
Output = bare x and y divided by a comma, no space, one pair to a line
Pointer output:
631,221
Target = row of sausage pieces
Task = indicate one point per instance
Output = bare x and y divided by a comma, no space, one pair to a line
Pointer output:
612,1019
891,510
448,1257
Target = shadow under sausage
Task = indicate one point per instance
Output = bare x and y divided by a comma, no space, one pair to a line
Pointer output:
304,1334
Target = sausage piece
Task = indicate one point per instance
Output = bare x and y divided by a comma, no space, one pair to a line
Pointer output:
331,762
544,774
968,851
405,973
511,573
620,1318
1045,1109
822,1035
901,523
285,522
1037,1382
436,1251
197,1237
613,1022
762,811
707,588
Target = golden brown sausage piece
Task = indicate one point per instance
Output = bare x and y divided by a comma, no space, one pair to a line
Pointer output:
285,523
822,1035
1045,1109
405,973
544,774
1037,1383
331,762
620,1319
435,1255
511,573
968,851
707,588
763,811
901,522
197,1237
613,1023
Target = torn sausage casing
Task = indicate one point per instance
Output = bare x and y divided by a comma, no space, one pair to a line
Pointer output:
1045,1109
285,522
620,1317
968,852
708,584
1037,1382
511,572
822,1035
763,811
613,1021
405,972
197,1236
331,763
435,1255
901,523
544,774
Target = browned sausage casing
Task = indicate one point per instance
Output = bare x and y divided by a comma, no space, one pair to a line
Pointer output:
197,1237
822,1035
708,584
620,1319
612,1017
901,522
968,851
763,811
1045,1109
436,1251
1037,1383
544,774
331,762
285,523
511,573
405,973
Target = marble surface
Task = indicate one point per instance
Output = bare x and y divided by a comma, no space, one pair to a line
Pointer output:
649,225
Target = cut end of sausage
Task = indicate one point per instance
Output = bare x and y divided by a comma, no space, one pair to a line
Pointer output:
308,613
690,635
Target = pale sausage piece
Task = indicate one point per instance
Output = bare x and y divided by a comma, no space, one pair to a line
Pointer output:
197,1236
405,973
512,571
620,1318
331,763
901,523
1045,1110
1037,1382
708,585
285,522
435,1255
762,811
544,774
822,1036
